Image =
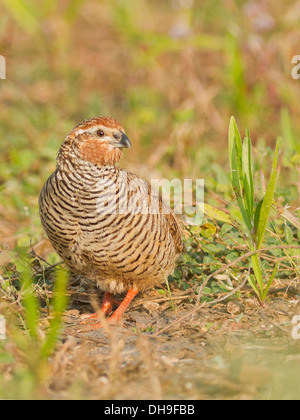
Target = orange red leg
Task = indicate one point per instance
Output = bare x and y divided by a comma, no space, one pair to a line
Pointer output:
107,303
107,308
116,316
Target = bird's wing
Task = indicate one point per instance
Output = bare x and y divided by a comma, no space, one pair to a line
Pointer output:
155,198
175,231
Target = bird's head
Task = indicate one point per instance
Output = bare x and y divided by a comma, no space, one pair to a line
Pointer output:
99,140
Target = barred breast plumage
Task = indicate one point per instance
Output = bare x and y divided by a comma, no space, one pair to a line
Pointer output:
105,222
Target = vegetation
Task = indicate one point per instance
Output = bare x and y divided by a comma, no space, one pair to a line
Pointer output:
172,73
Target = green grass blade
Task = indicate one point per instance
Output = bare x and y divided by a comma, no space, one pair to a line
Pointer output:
258,273
236,170
248,175
267,201
170,294
30,302
253,285
270,282
257,215
245,216
24,15
59,306
235,157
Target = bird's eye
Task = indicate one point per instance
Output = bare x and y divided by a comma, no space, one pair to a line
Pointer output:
100,133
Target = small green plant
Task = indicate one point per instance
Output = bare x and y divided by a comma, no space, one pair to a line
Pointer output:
32,345
253,214
32,315
173,306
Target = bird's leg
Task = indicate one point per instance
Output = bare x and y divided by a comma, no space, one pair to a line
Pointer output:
107,306
107,303
116,316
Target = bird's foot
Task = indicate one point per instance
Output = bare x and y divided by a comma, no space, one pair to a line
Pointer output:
106,308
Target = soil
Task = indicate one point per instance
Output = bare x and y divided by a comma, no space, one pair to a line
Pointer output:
232,350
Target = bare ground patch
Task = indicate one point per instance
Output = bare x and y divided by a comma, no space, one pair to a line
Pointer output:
233,350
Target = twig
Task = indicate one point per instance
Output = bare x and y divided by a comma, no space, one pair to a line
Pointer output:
232,292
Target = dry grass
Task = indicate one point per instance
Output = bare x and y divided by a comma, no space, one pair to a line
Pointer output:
173,73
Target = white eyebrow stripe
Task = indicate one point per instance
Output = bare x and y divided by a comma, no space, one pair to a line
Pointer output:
81,131
93,130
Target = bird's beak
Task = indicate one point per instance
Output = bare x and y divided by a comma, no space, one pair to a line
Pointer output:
123,141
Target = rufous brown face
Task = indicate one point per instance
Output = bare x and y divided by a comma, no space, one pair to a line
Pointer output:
99,141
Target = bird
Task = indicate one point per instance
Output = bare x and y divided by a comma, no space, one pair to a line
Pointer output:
107,223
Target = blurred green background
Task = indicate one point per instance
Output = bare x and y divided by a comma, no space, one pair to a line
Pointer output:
171,72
